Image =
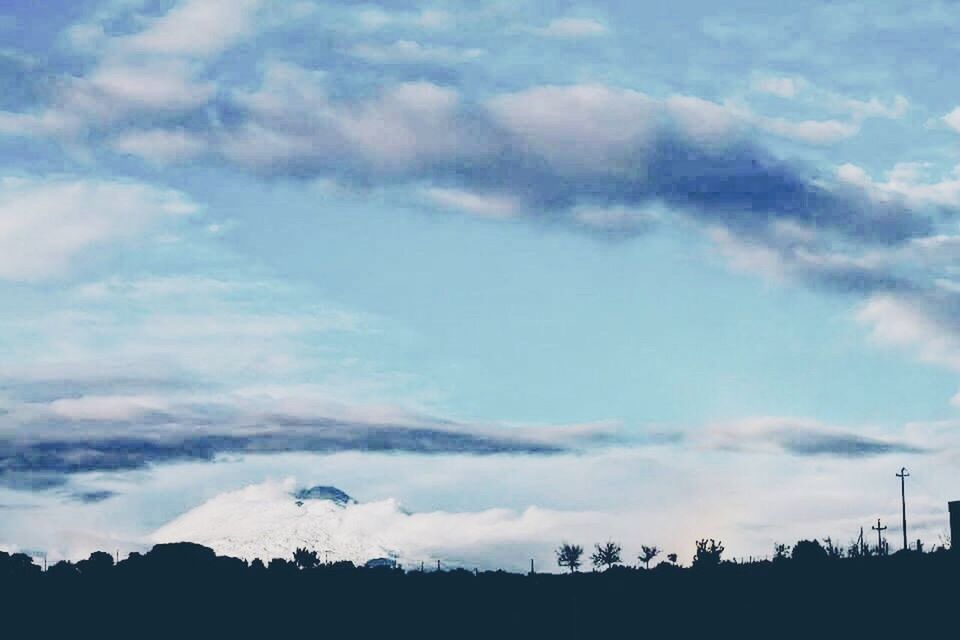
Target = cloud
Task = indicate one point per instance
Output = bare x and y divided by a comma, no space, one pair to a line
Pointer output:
132,383
780,86
376,18
800,438
811,131
46,224
145,76
551,149
112,92
86,433
874,107
195,28
293,126
572,28
486,205
952,119
617,220
430,504
411,51
916,322
160,146
906,181
579,127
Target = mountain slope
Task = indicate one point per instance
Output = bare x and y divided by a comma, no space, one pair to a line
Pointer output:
270,521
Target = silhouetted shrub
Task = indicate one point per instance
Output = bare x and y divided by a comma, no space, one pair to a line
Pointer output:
708,554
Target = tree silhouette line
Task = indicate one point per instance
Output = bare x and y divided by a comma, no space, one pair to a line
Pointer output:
810,587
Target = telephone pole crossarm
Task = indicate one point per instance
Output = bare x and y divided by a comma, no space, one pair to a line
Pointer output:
879,529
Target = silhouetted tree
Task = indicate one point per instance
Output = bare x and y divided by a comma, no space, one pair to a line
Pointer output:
306,558
648,554
780,552
280,566
17,565
672,557
606,555
257,565
63,569
568,555
808,551
708,553
99,563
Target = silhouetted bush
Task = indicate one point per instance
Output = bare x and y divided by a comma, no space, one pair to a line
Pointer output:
708,554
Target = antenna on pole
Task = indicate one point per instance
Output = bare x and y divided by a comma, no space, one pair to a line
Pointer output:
903,475
879,531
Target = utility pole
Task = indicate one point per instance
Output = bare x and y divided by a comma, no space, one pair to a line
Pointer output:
879,531
903,475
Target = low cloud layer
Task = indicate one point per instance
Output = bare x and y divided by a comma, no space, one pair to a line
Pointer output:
801,438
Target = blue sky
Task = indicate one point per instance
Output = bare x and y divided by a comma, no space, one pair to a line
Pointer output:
716,237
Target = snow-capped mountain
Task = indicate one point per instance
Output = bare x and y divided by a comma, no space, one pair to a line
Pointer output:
272,520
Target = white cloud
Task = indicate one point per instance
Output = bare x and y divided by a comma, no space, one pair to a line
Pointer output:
407,51
45,224
749,257
160,146
781,86
578,125
615,219
107,407
952,119
572,28
898,321
705,121
156,85
481,204
499,511
874,107
294,121
909,181
809,131
376,18
195,28
111,92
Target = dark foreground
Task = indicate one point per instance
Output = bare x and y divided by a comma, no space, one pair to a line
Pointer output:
184,591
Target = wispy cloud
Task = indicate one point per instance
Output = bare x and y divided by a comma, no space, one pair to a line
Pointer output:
572,28
801,438
47,223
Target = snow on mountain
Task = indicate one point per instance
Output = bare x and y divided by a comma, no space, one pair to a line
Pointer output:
271,520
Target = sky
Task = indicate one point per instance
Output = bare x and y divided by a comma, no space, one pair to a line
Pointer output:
657,272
